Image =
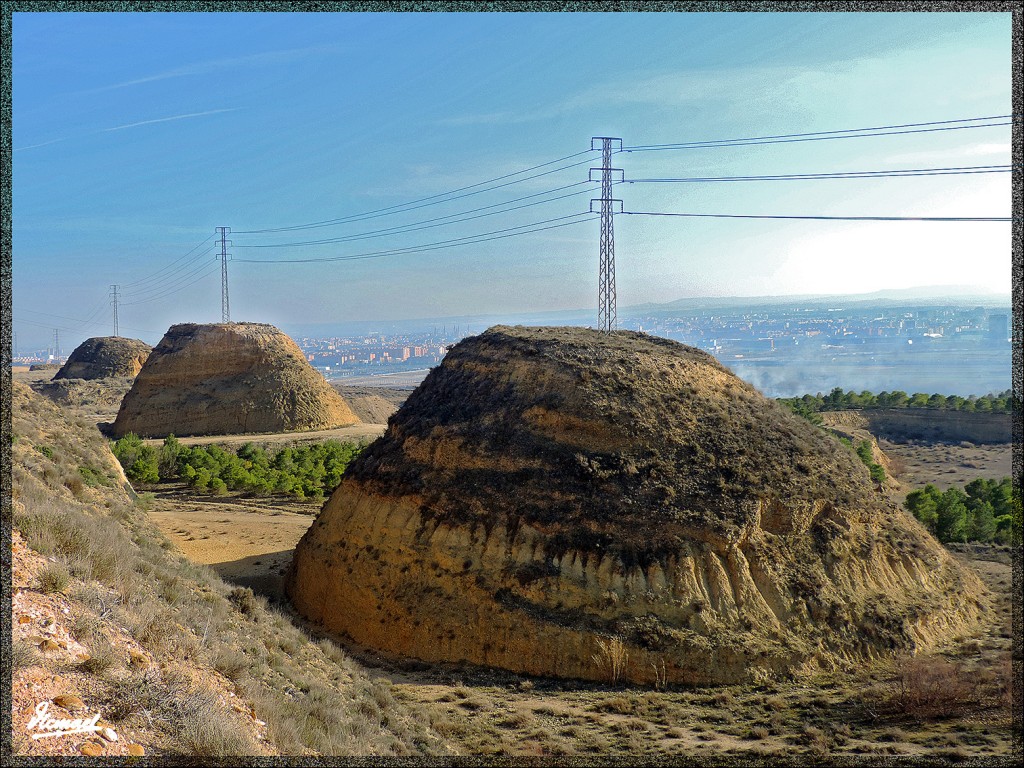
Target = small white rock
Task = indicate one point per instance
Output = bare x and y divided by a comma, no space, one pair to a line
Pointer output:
108,734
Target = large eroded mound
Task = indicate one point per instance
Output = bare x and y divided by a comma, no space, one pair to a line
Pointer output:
549,490
228,378
105,357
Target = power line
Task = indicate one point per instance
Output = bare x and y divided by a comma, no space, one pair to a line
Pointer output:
158,283
819,136
469,240
954,171
160,271
405,228
818,218
81,323
210,269
157,290
422,202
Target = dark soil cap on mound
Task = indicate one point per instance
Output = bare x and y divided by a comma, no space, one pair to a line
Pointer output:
608,438
105,357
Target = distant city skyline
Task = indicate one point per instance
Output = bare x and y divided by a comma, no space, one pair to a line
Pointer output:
135,135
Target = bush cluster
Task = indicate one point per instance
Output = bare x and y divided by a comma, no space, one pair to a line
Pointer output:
838,400
304,472
983,511
863,451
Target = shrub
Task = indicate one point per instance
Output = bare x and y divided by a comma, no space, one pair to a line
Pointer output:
244,600
54,578
929,687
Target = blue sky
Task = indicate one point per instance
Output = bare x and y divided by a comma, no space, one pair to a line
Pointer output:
135,135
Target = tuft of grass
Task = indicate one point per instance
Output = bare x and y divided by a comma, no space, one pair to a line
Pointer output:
231,663
54,578
205,729
244,600
23,655
102,656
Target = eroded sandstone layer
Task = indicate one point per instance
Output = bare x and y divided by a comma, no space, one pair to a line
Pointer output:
228,378
105,357
549,490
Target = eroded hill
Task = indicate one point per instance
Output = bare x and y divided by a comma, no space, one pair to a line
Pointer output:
551,498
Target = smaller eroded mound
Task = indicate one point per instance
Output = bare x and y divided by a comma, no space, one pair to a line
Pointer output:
105,357
228,378
559,501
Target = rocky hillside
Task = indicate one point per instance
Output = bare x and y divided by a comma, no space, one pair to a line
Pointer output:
110,621
228,378
105,357
373,405
558,501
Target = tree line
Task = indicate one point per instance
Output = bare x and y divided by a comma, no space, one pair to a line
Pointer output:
304,472
839,400
982,511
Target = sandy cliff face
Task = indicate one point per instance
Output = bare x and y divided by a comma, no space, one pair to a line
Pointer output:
105,357
226,379
902,424
547,490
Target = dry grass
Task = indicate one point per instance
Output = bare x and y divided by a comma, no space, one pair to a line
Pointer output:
54,578
612,657
117,570
23,655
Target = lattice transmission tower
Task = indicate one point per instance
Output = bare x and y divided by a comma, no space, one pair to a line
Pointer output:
225,307
607,319
113,303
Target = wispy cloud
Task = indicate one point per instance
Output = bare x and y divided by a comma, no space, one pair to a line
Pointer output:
664,89
129,125
167,119
35,146
217,65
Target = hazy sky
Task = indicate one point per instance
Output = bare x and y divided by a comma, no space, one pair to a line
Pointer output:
135,135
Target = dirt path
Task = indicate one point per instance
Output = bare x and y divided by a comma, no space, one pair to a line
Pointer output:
246,541
355,432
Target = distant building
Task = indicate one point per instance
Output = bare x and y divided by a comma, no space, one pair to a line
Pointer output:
998,328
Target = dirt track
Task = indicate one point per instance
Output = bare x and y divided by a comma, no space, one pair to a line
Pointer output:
355,432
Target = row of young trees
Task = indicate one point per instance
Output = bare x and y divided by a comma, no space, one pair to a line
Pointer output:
838,400
982,511
305,472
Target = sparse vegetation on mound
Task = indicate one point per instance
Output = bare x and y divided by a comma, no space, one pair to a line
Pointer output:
669,439
228,378
99,395
200,667
105,357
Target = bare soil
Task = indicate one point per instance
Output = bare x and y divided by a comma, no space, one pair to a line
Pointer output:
947,464
247,541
